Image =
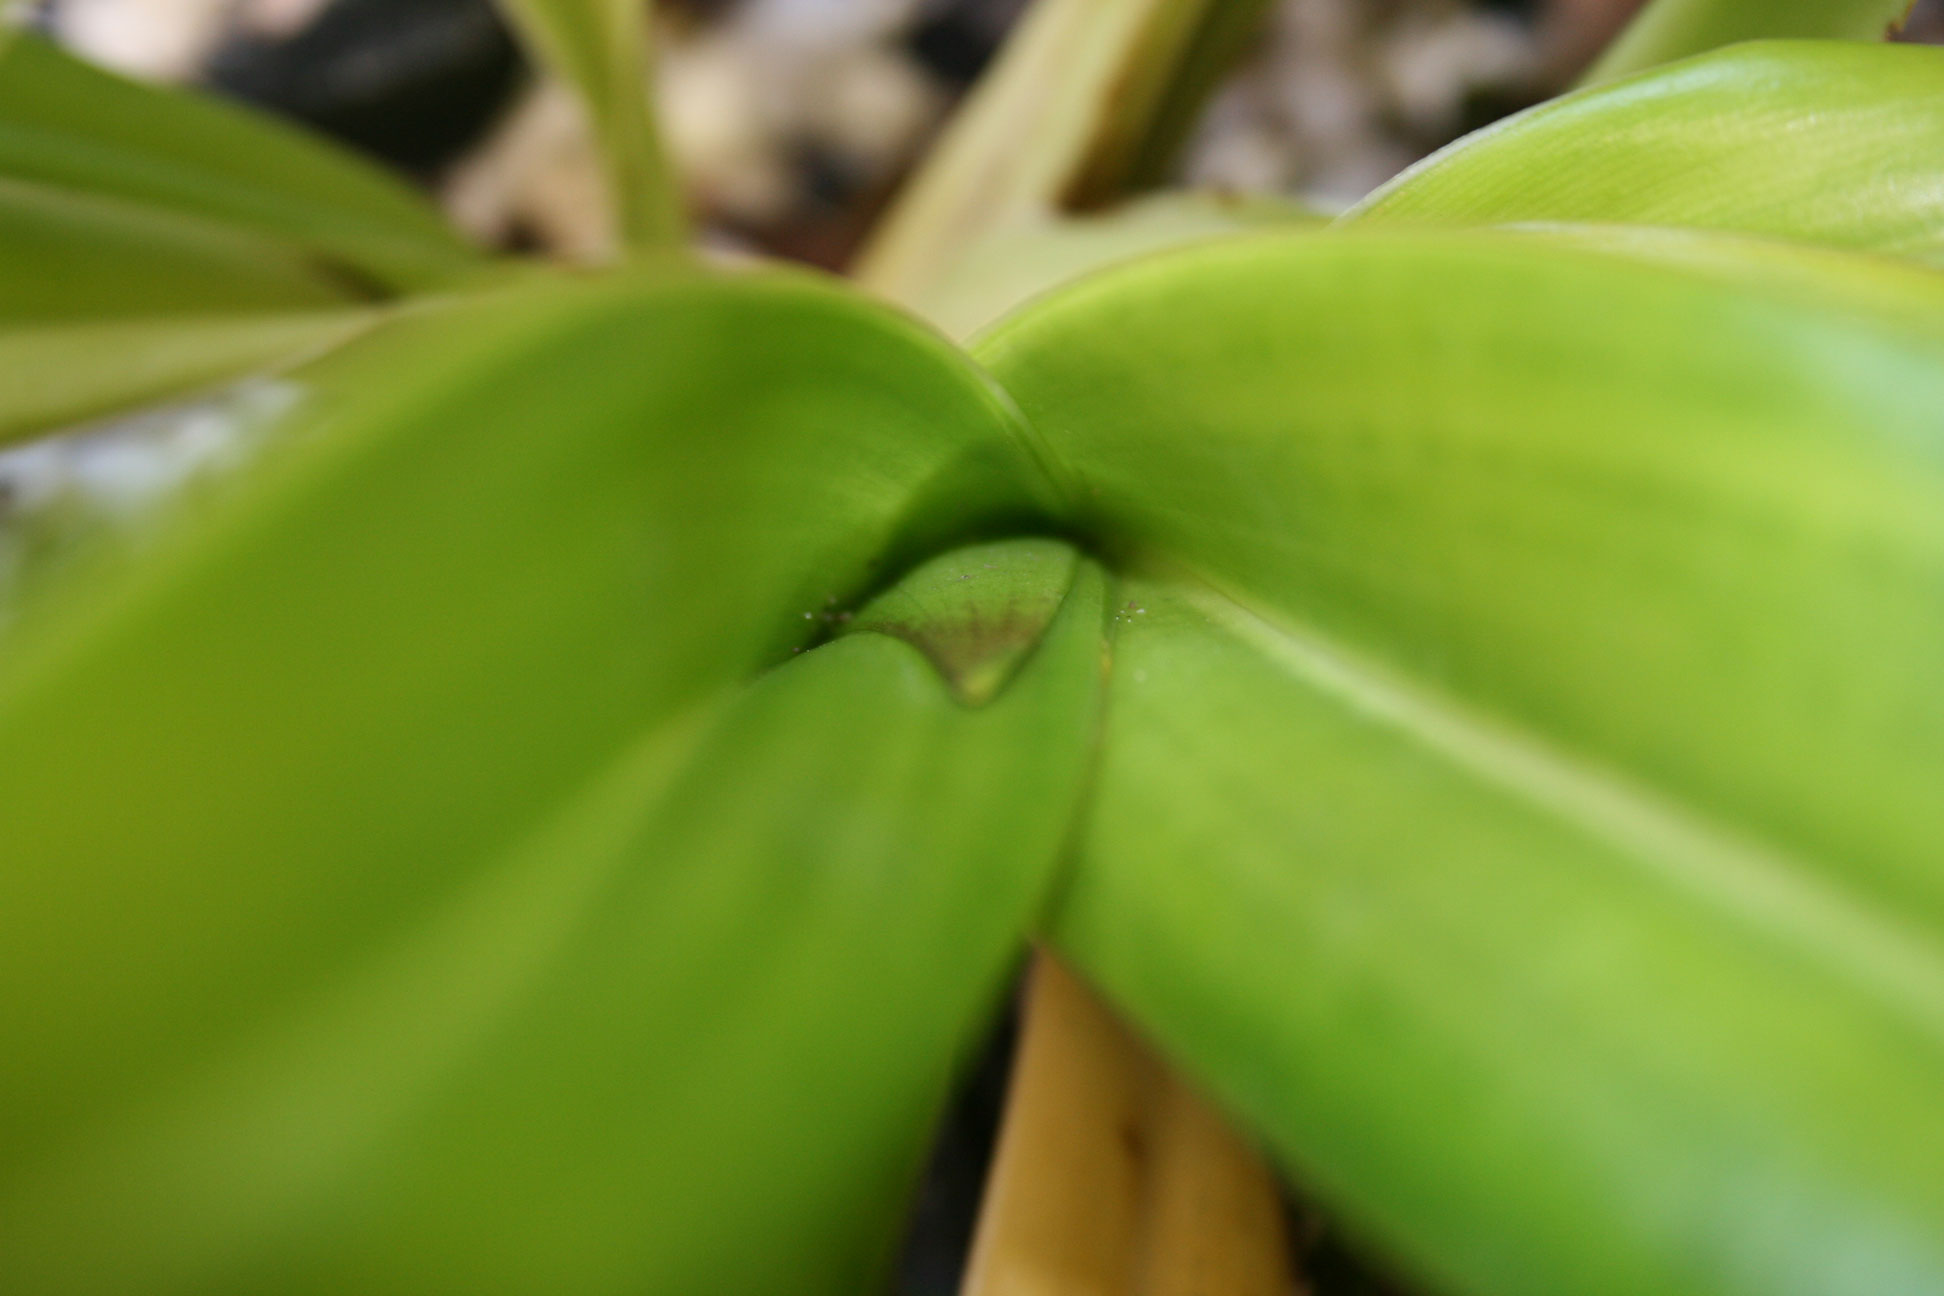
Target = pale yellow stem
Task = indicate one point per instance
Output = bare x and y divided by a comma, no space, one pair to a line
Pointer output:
1076,87
1112,1177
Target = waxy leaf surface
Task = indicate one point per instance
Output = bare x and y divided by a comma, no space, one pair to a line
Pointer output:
332,933
1542,848
1820,141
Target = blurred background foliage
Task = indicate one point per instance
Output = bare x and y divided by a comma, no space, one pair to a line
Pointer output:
794,120
792,123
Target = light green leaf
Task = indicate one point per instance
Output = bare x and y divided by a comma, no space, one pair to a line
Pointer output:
977,613
1014,265
503,543
718,993
73,130
600,47
1530,1031
1836,143
1674,29
56,375
1588,609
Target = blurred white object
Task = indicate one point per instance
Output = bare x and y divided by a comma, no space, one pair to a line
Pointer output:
744,98
168,40
1343,94
536,182
162,40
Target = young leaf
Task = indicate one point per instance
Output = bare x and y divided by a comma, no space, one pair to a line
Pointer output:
977,613
53,376
1676,536
1820,141
503,541
1667,30
600,47
70,129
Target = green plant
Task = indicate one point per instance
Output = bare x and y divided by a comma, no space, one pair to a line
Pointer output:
551,821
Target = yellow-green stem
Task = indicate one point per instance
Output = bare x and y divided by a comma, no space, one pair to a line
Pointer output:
1063,116
602,49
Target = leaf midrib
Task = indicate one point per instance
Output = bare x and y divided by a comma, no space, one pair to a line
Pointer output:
1781,895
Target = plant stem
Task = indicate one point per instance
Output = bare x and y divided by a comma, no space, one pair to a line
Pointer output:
1111,1176
1062,120
603,49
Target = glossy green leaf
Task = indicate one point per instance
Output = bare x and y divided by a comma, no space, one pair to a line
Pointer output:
56,375
1822,141
501,544
600,47
717,993
1667,30
1531,1032
1589,606
70,130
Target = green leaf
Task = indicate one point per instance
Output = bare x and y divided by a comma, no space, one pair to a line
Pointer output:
68,257
1673,29
69,130
503,544
1542,850
977,613
1834,143
57,375
718,994
1012,266
600,47
1531,1031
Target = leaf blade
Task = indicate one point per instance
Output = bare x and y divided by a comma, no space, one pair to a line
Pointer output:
58,376
456,505
1674,495
66,126
721,991
1673,29
1521,1050
1817,141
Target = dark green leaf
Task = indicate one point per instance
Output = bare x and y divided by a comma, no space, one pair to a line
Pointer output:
75,131
67,257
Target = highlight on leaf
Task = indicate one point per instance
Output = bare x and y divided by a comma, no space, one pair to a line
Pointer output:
1438,704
